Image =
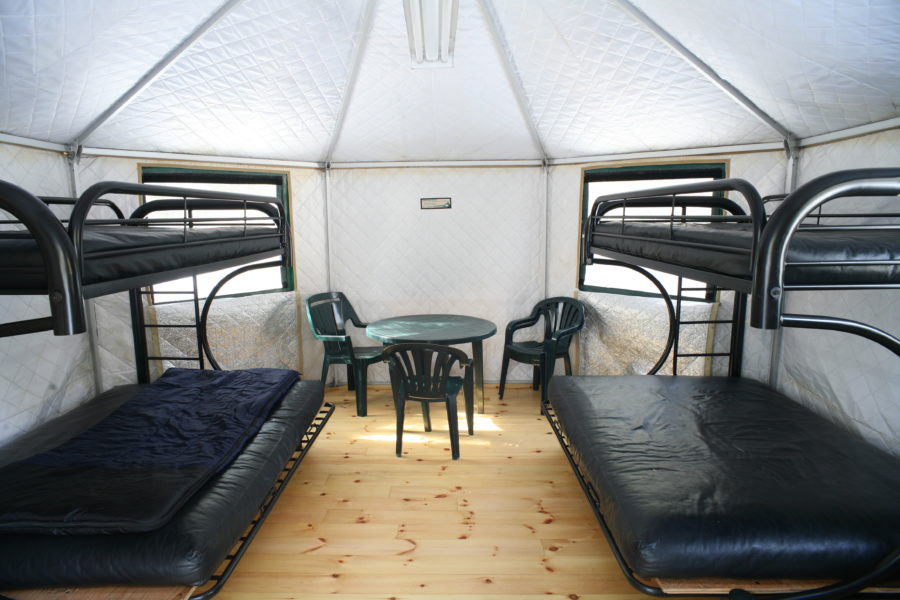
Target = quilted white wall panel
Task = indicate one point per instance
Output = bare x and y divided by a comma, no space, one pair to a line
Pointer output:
267,81
598,82
483,257
850,379
64,63
815,66
564,229
309,220
399,113
41,375
244,333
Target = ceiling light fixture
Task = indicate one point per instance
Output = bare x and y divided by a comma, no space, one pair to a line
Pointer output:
431,27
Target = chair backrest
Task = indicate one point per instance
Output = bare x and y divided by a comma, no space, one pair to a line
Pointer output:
423,371
561,313
327,313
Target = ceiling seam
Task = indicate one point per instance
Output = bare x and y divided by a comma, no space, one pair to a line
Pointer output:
704,69
512,74
150,76
356,61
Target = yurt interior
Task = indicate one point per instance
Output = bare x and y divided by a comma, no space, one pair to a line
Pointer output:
449,299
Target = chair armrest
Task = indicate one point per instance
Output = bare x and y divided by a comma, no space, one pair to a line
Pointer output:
355,320
331,338
566,331
517,324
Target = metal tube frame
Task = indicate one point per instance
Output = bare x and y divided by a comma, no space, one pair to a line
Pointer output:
243,542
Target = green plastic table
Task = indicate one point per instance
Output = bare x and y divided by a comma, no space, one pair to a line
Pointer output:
439,329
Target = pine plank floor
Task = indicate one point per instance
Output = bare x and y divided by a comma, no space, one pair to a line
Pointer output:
506,521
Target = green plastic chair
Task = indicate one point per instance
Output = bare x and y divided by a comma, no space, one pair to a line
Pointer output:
328,313
563,318
421,373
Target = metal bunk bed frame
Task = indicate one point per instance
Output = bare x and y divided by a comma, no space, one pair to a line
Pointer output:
677,199
64,263
768,287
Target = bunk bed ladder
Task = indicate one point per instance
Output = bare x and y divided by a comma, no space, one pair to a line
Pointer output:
736,324
140,328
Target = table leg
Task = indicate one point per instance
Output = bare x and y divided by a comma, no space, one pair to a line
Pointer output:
478,360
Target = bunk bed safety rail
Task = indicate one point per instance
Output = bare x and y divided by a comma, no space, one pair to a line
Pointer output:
67,313
678,196
768,284
187,198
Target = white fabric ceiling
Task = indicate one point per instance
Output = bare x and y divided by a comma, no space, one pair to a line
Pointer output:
331,80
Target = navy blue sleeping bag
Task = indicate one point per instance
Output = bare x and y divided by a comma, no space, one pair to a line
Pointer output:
135,468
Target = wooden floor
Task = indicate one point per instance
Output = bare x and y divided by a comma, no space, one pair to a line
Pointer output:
506,521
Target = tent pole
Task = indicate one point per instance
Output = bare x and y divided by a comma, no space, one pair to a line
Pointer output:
73,155
512,75
150,76
706,70
352,75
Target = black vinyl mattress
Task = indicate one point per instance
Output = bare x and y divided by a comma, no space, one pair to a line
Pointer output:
136,467
187,548
730,243
135,252
724,477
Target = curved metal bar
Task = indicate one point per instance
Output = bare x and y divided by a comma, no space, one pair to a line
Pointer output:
96,191
204,314
841,589
593,499
63,282
743,187
71,201
625,199
272,208
670,340
667,196
768,270
290,467
847,326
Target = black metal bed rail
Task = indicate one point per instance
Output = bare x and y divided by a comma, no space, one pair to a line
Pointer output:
243,542
175,198
67,313
858,587
768,271
679,197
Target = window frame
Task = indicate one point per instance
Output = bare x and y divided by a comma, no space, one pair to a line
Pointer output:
691,170
194,175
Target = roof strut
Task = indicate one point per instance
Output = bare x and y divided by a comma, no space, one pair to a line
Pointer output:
707,72
365,28
157,70
512,75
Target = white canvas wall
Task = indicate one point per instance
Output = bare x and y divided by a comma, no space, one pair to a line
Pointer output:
483,257
852,380
41,375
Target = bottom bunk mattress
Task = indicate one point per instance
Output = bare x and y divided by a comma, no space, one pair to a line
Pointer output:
720,477
188,545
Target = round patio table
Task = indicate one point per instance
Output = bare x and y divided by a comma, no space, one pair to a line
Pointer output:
439,329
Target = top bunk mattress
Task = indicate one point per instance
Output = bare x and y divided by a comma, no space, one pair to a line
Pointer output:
724,249
120,257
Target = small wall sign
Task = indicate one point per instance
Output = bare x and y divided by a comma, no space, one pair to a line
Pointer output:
432,203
